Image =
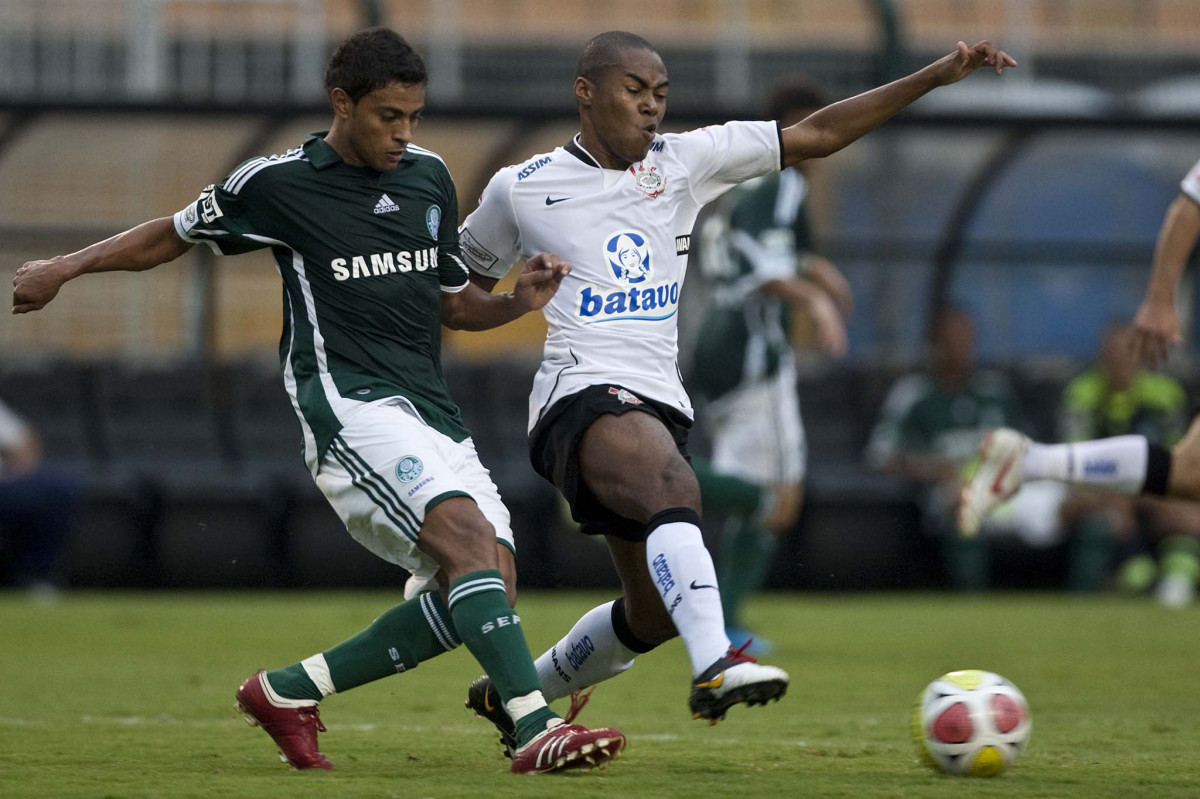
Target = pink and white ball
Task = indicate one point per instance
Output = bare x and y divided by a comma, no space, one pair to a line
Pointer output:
971,723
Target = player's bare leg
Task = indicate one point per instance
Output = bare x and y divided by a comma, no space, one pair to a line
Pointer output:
631,463
1183,480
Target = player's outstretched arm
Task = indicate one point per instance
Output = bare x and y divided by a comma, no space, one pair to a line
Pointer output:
474,308
143,247
1157,321
840,124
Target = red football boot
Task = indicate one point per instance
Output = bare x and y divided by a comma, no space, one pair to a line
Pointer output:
565,747
292,727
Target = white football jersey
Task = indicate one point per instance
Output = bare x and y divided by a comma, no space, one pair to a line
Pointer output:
626,234
1191,184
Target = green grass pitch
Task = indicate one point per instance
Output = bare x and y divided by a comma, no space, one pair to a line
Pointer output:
131,695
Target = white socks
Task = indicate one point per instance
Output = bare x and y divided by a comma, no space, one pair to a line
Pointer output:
682,568
588,654
1114,464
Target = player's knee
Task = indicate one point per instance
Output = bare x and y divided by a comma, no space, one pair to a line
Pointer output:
677,486
459,538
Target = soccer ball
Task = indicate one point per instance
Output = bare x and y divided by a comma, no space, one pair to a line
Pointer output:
971,723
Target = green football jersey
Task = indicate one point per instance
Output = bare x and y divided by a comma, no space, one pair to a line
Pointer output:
921,417
758,233
1154,406
364,257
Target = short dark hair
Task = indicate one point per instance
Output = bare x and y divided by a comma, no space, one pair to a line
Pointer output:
604,50
794,93
370,60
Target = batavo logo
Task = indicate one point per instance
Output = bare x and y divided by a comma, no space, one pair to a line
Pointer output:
631,259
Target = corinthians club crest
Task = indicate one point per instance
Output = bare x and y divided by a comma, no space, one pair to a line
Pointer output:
648,181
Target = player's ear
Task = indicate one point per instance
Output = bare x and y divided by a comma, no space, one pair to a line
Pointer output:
341,102
585,92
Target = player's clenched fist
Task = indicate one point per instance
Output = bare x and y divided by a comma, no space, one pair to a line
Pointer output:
540,278
36,283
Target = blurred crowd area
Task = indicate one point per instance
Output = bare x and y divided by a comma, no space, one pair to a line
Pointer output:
1058,246
1032,206
517,54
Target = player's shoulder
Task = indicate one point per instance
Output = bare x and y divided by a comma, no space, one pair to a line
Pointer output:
263,171
523,173
532,167
427,159
704,136
908,391
1190,185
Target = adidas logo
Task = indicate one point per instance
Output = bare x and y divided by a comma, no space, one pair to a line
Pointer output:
385,205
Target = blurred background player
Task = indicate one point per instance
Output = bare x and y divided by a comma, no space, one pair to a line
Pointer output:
1117,397
37,508
1126,464
759,261
363,224
929,432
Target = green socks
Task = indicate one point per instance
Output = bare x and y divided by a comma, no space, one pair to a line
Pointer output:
1090,554
396,641
967,561
726,493
478,615
490,628
746,552
746,547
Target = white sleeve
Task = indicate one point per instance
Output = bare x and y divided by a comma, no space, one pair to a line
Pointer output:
719,157
490,238
1191,184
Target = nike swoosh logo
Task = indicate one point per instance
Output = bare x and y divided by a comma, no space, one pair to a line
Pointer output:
695,587
487,705
559,200
716,682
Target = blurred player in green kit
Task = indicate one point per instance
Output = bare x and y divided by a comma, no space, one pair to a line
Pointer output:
759,260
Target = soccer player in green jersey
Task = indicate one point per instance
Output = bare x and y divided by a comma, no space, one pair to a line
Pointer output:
363,227
759,261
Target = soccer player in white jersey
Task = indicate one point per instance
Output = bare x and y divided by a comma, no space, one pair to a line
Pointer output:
608,413
363,227
1125,464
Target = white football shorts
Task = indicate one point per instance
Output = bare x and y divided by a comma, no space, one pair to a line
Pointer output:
757,431
386,469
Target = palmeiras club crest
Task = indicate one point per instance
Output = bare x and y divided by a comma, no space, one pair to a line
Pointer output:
433,220
648,181
409,468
